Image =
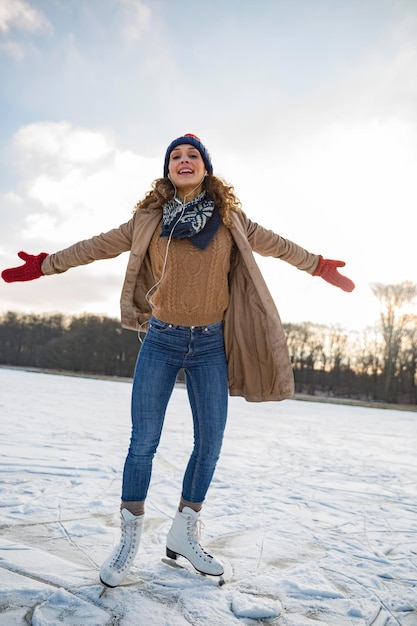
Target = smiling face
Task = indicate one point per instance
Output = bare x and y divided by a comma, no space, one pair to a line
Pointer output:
186,170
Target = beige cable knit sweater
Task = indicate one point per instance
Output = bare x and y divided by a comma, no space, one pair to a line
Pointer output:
194,289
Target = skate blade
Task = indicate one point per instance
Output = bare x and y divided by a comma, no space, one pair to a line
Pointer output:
219,580
129,581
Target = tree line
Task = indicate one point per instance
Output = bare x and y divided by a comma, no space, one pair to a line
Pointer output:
378,364
88,344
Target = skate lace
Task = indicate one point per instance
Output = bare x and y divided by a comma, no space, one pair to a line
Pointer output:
126,543
195,527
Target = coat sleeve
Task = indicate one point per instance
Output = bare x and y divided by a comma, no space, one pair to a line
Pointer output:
104,246
267,243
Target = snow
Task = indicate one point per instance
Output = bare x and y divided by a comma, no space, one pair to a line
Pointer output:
313,510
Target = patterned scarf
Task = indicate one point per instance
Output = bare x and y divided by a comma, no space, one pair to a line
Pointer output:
199,222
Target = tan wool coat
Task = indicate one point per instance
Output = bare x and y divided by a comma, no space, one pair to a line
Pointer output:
257,355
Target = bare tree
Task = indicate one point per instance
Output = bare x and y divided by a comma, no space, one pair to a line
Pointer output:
408,362
394,300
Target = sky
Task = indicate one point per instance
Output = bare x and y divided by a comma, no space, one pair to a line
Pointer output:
308,108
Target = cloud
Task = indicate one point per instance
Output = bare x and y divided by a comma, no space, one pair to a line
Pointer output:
138,19
17,16
60,145
21,15
74,182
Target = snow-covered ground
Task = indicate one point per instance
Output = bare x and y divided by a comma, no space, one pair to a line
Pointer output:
313,510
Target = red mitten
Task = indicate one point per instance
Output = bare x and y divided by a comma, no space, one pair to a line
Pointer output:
29,271
327,269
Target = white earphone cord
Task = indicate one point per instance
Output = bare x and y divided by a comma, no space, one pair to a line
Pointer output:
183,203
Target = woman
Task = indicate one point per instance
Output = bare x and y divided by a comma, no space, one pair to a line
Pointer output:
192,278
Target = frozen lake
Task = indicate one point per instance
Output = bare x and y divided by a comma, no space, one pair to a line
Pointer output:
313,510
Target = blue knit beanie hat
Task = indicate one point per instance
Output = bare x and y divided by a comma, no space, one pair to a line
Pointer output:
193,140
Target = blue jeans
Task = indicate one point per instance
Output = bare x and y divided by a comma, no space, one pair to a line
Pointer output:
166,349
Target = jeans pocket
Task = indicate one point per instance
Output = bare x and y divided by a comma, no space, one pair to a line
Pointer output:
214,329
158,326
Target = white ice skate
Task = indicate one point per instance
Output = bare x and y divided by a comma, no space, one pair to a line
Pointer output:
183,540
118,564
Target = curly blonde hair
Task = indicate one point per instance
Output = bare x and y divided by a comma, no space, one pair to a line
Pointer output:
222,193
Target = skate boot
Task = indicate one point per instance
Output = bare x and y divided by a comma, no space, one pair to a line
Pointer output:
118,564
183,540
